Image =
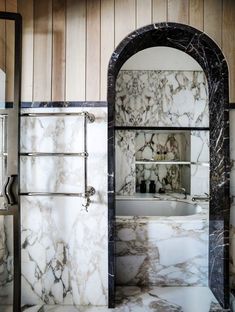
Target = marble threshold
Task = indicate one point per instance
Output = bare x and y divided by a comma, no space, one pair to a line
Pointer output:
136,299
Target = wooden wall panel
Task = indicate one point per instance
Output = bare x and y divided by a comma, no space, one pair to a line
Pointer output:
213,19
159,11
93,51
228,42
76,50
178,11
125,19
143,13
25,8
196,16
58,50
106,43
2,37
42,50
70,54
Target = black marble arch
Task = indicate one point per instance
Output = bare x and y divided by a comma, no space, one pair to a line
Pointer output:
205,51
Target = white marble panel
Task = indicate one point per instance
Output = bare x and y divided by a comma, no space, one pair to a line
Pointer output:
64,248
52,174
162,146
125,162
199,180
52,134
6,260
181,98
152,299
200,146
162,252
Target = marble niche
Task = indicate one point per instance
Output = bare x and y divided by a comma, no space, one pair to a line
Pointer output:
134,145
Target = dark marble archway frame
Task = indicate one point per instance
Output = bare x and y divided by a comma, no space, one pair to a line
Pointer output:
205,51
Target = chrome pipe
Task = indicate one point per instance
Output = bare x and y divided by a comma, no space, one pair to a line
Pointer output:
39,154
89,116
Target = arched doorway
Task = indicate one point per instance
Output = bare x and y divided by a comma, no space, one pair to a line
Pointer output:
205,51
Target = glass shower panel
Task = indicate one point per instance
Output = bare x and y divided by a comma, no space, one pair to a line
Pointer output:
10,46
3,158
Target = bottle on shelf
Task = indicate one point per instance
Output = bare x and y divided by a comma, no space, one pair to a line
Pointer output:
152,187
143,186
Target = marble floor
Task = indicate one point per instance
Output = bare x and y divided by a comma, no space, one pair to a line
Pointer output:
136,299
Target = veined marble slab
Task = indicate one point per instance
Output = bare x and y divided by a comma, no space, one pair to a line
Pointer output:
136,299
181,98
162,251
125,162
64,248
6,260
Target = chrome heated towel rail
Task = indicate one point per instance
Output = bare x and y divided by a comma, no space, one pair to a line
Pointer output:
88,190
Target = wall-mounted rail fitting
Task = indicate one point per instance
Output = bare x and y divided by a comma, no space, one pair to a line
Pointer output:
88,190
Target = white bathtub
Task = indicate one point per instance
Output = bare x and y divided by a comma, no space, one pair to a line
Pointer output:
167,208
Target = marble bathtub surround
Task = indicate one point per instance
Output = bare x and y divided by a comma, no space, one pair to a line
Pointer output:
148,299
57,266
162,251
161,98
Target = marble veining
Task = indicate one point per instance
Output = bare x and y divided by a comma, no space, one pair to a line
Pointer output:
64,248
6,260
148,299
162,146
211,59
162,251
161,98
125,162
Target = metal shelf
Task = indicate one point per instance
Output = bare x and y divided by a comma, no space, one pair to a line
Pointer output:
165,162
88,116
39,154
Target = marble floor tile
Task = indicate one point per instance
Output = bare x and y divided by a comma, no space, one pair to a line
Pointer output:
160,299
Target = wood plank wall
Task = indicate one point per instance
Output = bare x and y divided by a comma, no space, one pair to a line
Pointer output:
67,44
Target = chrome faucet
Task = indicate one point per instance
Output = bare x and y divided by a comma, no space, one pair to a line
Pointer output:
181,190
201,197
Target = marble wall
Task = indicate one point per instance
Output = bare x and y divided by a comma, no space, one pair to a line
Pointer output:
64,248
162,251
161,98
232,192
133,146
6,260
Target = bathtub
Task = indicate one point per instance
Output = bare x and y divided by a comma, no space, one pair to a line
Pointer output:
167,208
161,242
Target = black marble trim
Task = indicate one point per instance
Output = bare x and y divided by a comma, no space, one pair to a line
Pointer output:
206,52
161,128
231,106
63,104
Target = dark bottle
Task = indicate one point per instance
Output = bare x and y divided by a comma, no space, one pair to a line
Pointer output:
143,186
152,187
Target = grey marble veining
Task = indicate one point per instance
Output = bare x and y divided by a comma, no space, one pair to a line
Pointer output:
161,98
64,248
149,299
162,251
6,260
125,162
